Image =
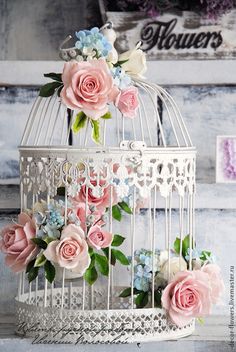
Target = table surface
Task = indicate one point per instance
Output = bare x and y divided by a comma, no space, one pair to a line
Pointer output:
211,336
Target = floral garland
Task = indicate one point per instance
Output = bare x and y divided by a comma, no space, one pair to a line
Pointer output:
185,294
95,77
54,237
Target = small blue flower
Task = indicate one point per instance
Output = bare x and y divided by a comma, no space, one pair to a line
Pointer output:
121,79
195,254
52,230
92,43
141,284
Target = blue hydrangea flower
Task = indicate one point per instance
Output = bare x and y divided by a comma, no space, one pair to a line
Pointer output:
55,220
143,268
52,230
141,284
121,79
92,43
195,254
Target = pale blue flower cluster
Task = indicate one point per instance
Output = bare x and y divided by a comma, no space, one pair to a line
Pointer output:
121,79
143,268
197,254
50,221
92,41
54,222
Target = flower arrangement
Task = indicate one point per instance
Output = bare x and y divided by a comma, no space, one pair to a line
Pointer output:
54,236
95,76
185,294
206,8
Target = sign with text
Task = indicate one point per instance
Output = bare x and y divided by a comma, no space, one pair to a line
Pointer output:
176,36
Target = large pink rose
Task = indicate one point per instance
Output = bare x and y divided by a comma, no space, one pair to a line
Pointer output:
216,281
127,102
16,243
98,238
71,251
100,201
88,87
187,296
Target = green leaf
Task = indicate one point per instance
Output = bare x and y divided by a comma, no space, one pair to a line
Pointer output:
95,131
49,239
54,76
61,191
157,298
80,122
30,265
117,240
107,116
102,264
91,275
141,300
120,63
116,213
125,207
106,252
126,292
205,255
177,245
33,273
201,321
39,242
90,250
120,257
48,89
185,245
40,260
50,271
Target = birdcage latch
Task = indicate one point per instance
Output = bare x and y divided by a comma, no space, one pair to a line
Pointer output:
133,145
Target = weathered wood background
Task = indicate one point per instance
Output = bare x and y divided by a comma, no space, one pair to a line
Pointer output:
32,31
176,35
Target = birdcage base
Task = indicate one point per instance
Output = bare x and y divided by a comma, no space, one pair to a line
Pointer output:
47,319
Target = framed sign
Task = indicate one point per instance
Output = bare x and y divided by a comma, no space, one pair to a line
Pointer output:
180,35
226,159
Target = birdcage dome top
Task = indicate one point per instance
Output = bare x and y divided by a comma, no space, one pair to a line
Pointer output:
99,103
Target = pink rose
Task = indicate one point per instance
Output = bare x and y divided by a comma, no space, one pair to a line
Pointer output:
71,251
100,201
98,238
88,87
79,210
216,281
16,243
127,102
187,296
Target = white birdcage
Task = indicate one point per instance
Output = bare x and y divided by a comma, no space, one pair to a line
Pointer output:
148,160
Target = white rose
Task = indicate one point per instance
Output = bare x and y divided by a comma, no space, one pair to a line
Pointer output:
136,65
176,264
163,257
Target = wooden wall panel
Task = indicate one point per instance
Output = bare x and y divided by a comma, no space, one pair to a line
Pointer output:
33,30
